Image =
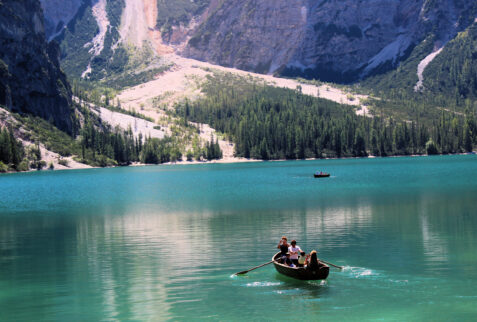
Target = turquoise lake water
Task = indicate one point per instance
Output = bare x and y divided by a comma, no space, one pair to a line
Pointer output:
163,242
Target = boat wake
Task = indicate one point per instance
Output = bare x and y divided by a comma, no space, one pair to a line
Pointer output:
361,272
367,273
317,283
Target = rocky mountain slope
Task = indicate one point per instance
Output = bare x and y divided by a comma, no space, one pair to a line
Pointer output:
30,77
112,40
326,39
454,71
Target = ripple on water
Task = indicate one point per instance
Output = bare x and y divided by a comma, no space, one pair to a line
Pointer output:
399,282
291,291
262,284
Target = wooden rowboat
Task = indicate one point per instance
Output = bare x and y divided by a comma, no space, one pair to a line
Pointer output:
321,175
301,273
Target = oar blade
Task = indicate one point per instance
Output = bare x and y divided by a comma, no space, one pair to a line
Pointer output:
331,264
241,273
245,272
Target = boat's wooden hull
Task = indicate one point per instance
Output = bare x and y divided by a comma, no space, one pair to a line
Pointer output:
324,175
301,273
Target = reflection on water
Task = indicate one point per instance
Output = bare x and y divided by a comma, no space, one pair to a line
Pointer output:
435,248
162,242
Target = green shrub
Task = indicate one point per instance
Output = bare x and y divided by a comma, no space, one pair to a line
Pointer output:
73,40
38,165
189,155
23,166
63,162
33,153
3,167
132,78
53,139
431,148
178,11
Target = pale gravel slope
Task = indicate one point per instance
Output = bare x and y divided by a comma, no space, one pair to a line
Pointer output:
422,66
124,121
180,81
134,28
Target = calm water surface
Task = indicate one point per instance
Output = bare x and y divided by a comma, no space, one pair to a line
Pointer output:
158,243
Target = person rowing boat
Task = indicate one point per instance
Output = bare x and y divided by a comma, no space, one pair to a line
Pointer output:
294,250
283,247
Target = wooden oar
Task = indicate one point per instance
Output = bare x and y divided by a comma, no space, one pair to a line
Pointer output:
245,272
340,267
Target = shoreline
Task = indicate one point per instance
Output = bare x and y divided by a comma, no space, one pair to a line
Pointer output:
229,161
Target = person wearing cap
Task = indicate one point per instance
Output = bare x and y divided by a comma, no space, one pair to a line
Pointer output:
294,250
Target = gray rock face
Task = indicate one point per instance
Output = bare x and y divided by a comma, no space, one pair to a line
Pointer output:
254,35
334,39
58,13
30,77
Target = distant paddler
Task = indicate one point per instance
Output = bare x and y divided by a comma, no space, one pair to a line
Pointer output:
321,174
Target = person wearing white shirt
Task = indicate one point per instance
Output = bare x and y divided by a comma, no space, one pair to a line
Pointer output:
294,250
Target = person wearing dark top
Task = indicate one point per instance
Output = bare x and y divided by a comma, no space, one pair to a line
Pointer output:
313,263
283,247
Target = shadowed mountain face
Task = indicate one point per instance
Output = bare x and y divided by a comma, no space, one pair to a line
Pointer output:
30,77
335,40
58,13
